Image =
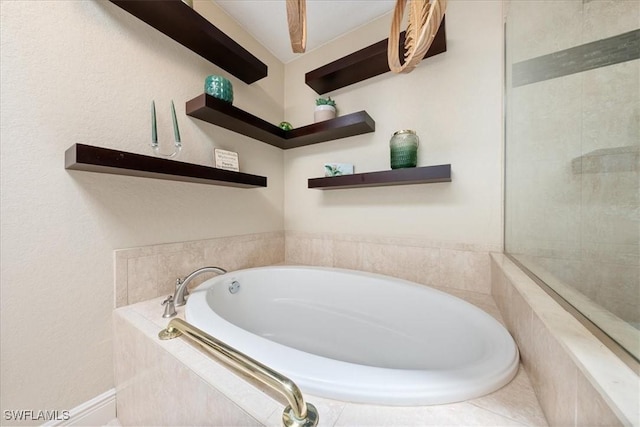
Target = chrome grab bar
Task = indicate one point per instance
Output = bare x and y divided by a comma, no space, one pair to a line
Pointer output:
296,414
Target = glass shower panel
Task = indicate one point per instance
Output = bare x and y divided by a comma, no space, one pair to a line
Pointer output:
572,184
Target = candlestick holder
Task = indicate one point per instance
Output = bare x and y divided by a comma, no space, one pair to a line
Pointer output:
154,133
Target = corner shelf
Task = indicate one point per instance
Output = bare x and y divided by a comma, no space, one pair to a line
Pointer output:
364,64
212,110
421,175
104,160
186,26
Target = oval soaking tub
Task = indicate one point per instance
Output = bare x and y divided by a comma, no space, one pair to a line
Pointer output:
357,336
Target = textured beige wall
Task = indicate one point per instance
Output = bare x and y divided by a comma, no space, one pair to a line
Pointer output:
86,72
452,100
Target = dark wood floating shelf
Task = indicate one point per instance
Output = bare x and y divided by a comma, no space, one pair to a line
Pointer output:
104,160
212,110
186,26
364,64
421,175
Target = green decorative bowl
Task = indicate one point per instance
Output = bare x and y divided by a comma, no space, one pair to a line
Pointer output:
219,87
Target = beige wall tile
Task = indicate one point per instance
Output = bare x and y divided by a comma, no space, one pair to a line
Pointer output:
609,211
226,254
348,254
534,28
550,369
457,414
273,250
607,18
251,254
142,282
176,265
309,251
570,271
392,260
516,401
148,272
499,289
517,314
616,288
121,280
566,396
611,111
262,252
124,352
592,411
414,259
518,317
553,375
611,253
154,388
296,249
429,264
482,301
465,270
322,252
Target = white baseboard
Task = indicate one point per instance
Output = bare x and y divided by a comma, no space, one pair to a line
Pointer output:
95,412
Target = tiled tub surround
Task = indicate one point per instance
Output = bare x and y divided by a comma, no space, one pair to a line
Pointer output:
151,271
447,265
578,381
176,383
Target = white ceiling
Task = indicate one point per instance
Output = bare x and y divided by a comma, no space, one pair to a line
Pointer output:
266,20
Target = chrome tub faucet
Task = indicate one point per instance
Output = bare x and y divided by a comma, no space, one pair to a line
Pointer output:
181,285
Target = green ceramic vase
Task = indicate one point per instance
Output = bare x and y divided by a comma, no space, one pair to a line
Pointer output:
404,149
219,87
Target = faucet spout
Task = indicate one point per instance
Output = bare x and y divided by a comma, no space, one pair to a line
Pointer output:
178,297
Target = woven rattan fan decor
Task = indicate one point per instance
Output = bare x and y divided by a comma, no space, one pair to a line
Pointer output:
424,20
297,20
425,17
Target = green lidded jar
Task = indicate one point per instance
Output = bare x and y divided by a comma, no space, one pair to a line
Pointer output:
219,87
404,149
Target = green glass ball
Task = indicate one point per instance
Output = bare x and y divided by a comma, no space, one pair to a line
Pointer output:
285,126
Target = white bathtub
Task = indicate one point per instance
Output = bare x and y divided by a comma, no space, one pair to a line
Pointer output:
357,336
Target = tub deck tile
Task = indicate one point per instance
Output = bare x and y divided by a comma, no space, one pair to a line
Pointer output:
516,401
513,405
455,414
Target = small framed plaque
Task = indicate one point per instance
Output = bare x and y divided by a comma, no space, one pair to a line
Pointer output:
227,160
337,169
